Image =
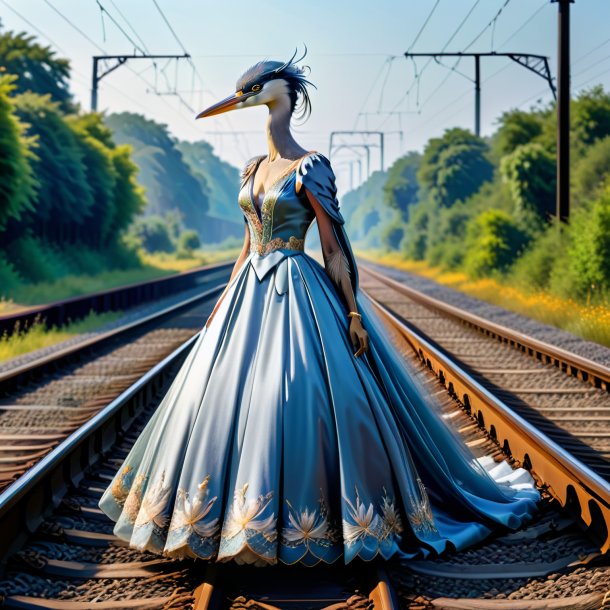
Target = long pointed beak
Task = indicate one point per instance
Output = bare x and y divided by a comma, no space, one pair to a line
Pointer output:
225,105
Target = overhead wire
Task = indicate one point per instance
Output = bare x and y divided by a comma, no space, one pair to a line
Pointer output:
82,78
417,78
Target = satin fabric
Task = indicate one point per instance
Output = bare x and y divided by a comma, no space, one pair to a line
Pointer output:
274,443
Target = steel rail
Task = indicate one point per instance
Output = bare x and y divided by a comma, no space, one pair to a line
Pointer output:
572,364
570,481
18,374
120,297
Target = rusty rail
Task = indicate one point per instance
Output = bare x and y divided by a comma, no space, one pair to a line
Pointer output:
121,297
570,481
572,364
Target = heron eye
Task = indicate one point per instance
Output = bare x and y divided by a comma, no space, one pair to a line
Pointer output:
256,87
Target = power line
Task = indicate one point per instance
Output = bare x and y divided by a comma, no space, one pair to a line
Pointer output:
74,26
524,24
418,75
171,29
492,23
83,79
118,10
122,30
423,27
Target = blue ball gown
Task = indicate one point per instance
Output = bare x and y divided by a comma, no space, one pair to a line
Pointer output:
274,443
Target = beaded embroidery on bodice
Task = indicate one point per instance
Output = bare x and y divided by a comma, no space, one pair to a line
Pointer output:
281,194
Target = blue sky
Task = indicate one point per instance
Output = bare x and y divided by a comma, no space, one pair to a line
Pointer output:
355,53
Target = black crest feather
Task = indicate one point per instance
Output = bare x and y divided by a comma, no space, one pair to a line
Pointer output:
267,70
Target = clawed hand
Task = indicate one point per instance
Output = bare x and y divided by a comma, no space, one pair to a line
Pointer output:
359,336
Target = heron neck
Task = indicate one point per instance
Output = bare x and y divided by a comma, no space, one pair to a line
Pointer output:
279,138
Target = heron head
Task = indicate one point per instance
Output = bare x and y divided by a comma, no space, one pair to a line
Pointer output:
267,83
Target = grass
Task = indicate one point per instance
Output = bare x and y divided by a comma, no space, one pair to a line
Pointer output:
153,266
590,321
38,336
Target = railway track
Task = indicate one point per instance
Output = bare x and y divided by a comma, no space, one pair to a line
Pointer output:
71,560
45,399
564,396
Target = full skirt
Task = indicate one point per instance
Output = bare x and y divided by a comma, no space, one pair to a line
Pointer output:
274,443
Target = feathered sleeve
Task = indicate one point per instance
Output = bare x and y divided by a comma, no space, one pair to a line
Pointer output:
315,173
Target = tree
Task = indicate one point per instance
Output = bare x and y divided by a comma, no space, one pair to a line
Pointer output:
36,67
169,182
493,242
454,166
152,234
17,183
401,187
589,246
187,242
530,172
65,197
590,116
592,171
516,127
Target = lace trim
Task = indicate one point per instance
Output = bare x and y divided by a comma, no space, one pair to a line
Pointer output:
261,228
293,243
190,529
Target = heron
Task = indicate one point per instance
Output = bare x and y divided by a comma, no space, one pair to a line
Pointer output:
282,87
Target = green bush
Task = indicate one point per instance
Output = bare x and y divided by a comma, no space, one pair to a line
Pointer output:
589,248
37,261
592,171
152,234
187,242
530,172
533,270
9,278
493,241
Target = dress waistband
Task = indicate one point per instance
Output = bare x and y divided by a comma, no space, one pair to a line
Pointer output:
277,243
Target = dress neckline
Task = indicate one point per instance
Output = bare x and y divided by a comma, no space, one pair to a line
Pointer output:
289,169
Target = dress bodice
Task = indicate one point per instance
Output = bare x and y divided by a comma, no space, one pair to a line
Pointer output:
284,215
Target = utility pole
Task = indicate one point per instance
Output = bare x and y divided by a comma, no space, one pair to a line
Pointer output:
563,109
96,77
538,64
367,148
379,134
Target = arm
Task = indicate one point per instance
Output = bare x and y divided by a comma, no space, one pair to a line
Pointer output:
337,268
236,267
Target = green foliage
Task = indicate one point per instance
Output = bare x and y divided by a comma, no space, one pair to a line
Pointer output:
365,213
65,198
218,178
392,233
592,171
9,277
415,241
17,182
37,261
152,234
493,242
516,127
129,198
534,269
454,166
36,67
401,186
590,116
187,242
168,180
589,246
530,173
446,231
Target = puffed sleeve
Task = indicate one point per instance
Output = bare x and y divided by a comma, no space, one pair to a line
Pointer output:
315,173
